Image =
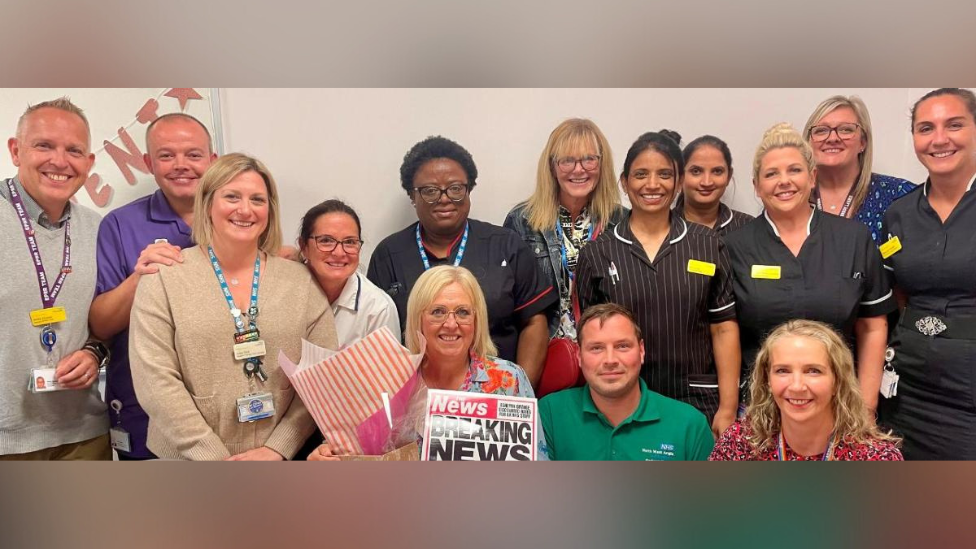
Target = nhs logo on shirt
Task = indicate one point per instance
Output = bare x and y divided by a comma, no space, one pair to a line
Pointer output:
664,452
667,447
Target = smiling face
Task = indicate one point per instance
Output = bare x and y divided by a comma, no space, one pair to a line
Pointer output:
944,136
836,152
239,212
178,155
449,340
651,183
444,217
706,177
801,380
611,357
52,156
785,182
338,265
576,183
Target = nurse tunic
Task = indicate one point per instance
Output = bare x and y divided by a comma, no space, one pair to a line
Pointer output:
935,408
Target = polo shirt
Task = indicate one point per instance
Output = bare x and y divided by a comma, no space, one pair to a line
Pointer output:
122,235
505,268
660,429
361,309
836,278
674,307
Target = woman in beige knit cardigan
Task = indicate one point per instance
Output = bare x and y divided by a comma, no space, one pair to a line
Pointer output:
206,332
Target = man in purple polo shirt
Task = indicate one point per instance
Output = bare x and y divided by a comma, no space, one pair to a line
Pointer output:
134,240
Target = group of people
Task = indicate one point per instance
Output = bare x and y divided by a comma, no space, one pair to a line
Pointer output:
700,331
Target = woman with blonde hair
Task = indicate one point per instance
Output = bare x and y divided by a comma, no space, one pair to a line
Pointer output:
794,261
839,131
447,319
204,340
806,404
575,199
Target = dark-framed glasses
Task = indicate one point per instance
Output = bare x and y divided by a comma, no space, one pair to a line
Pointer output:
567,164
462,315
844,131
326,243
431,194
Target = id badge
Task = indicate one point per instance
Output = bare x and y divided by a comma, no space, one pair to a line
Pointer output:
119,439
250,349
889,383
42,381
254,407
51,315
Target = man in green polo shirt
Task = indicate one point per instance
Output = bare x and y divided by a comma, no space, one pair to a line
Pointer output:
615,416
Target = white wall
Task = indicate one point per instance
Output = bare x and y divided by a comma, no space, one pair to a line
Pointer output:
348,143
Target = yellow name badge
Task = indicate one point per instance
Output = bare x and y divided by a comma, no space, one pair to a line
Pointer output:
701,267
766,272
51,315
890,248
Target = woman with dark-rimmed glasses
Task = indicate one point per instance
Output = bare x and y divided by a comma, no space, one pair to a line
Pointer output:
438,176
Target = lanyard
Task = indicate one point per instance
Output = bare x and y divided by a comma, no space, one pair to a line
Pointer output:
847,201
460,253
48,295
781,449
562,247
252,309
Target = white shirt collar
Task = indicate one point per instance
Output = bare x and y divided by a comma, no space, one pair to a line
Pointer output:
349,298
776,231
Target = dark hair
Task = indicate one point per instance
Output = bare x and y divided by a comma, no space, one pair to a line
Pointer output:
433,148
183,116
664,142
602,313
709,141
968,97
327,207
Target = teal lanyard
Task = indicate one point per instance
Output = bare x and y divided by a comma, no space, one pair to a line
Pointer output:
252,366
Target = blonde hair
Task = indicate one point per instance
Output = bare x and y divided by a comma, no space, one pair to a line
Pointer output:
864,159
219,174
852,421
62,104
781,136
424,293
572,137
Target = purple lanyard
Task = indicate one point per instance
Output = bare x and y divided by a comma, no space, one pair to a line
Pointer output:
847,201
48,295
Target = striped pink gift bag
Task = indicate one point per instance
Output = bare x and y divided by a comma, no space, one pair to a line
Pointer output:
342,389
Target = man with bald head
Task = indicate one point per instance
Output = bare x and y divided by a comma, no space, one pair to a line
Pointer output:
51,408
136,239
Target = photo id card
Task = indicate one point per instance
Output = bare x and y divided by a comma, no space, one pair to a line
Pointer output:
119,439
42,381
254,407
889,383
250,349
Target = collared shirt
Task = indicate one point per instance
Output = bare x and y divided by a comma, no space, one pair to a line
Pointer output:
660,429
498,258
33,209
361,309
674,305
728,221
836,278
882,192
122,235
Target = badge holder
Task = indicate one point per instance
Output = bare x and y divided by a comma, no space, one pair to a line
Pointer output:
42,379
254,405
889,378
118,436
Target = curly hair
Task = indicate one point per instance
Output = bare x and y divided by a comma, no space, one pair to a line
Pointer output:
433,148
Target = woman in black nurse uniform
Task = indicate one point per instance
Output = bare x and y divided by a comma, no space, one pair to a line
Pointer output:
674,276
931,253
794,261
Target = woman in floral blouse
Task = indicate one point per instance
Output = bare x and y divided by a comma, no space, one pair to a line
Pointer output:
806,404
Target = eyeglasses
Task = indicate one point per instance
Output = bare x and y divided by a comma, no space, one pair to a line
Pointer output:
462,315
432,193
326,243
568,163
844,132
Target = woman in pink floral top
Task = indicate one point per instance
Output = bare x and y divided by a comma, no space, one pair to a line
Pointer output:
806,404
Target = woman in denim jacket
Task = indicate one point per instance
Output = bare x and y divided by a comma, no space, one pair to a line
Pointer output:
575,199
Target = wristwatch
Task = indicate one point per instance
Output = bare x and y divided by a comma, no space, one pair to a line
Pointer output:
100,351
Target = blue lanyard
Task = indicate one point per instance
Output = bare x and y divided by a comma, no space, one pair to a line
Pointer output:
460,254
252,310
562,247
781,449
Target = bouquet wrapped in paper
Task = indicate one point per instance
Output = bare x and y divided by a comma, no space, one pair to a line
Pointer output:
360,397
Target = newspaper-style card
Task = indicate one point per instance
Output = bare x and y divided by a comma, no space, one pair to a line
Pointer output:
476,427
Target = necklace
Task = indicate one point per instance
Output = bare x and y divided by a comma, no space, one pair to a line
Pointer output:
234,281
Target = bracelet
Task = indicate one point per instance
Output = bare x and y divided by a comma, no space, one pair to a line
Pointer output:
98,349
